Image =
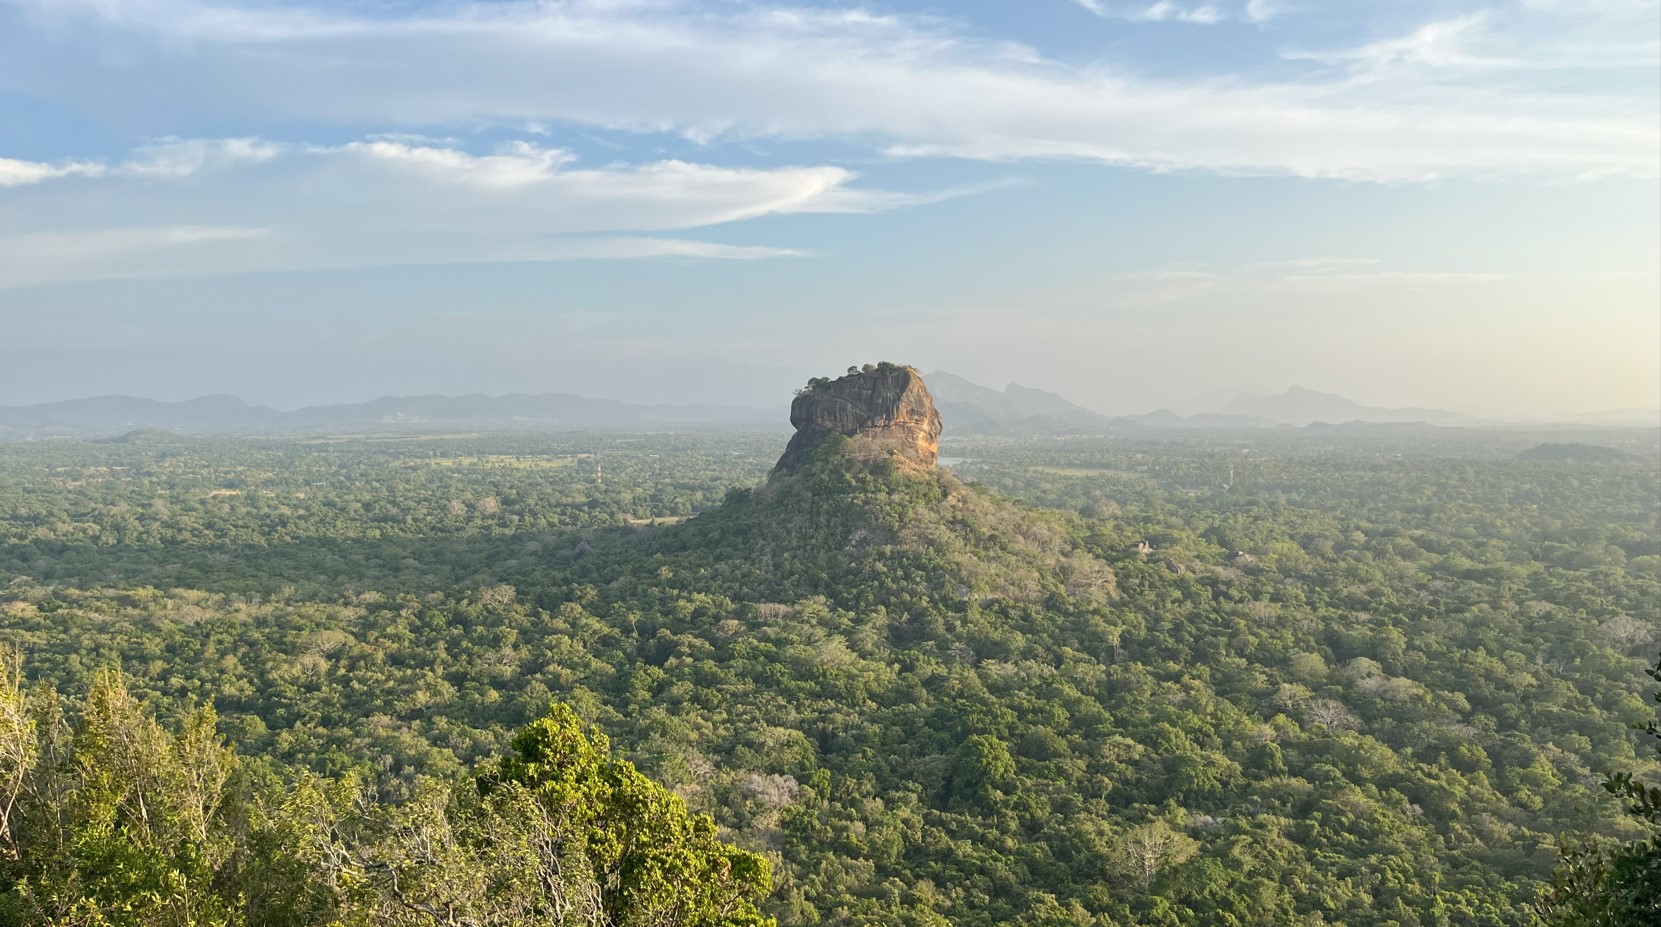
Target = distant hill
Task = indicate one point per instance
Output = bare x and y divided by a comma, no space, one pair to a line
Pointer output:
1021,411
107,413
142,436
561,409
1575,453
1300,406
112,415
969,408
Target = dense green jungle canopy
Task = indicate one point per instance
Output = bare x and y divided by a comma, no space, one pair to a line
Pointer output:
107,820
1307,678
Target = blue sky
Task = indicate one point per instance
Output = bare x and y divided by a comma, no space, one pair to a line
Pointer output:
1140,204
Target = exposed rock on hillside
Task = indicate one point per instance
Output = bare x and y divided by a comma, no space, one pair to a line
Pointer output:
885,409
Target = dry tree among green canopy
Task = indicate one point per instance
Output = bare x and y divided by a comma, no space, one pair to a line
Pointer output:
107,819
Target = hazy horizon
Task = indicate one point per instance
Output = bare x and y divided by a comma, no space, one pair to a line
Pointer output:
1136,205
781,400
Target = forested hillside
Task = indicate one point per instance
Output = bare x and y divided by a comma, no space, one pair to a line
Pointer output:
1360,680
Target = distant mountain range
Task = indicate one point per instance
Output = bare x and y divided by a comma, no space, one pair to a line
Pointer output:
228,414
970,409
966,409
1300,406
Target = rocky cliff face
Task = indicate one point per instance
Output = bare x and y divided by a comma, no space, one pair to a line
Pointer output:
886,410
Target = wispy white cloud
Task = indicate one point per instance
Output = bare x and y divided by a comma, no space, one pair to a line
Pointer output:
15,173
1203,14
42,257
1480,41
1596,7
1261,11
1441,43
907,86
166,158
540,185
43,247
1194,12
199,206
184,251
184,157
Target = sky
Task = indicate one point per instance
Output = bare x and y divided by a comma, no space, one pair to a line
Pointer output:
1139,204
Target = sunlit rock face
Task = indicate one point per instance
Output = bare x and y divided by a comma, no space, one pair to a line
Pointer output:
886,411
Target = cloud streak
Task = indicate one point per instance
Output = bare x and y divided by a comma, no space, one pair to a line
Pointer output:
208,206
909,87
1195,13
184,251
15,173
1473,43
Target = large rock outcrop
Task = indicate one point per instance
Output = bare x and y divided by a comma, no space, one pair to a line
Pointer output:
885,409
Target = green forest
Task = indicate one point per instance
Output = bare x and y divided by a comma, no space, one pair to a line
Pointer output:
1317,678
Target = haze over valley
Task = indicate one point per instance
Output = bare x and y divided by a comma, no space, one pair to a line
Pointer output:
968,409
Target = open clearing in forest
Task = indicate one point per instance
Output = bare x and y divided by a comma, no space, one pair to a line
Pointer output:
659,520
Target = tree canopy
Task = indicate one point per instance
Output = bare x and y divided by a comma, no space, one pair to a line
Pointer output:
1369,680
108,818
